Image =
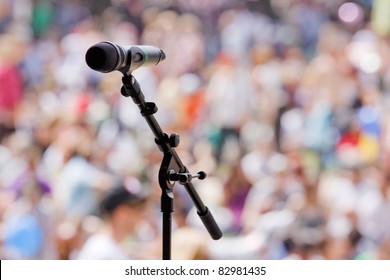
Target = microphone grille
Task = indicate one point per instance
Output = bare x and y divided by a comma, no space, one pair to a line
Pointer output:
102,57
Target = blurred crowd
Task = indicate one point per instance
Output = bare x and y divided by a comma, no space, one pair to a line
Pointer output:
283,103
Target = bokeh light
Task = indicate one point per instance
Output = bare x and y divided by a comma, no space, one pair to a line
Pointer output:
350,13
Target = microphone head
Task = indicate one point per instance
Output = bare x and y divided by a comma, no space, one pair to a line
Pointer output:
106,57
102,57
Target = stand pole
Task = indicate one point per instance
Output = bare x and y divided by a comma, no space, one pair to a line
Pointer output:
172,169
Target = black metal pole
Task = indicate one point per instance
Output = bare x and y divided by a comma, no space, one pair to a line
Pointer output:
171,165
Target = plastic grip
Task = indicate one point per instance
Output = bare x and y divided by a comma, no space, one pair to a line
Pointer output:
210,224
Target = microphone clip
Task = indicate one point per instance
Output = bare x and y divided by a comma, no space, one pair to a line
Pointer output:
184,178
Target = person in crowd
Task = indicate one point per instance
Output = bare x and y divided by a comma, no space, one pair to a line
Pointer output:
265,84
121,212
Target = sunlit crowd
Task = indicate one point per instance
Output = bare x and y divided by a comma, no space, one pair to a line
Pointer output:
283,103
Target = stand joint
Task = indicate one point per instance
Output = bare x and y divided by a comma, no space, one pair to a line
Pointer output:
168,142
184,178
148,109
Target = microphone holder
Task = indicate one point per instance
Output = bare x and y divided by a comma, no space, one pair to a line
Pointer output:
172,169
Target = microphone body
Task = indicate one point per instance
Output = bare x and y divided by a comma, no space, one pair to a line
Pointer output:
106,57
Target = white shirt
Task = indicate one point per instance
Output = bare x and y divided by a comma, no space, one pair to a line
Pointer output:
102,247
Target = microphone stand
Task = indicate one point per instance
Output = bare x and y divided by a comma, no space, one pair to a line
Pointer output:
172,169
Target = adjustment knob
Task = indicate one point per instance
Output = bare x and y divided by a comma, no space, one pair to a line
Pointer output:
174,140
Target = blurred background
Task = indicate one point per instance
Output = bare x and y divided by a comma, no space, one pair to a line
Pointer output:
283,103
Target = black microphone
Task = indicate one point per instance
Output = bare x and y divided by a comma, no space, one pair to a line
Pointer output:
106,57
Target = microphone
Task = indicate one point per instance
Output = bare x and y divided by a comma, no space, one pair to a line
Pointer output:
106,57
